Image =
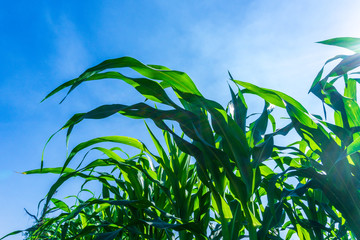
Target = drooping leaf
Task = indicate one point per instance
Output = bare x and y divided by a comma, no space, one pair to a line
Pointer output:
176,79
347,64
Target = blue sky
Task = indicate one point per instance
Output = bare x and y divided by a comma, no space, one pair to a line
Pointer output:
43,44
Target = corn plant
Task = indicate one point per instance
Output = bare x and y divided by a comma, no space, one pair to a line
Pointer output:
332,147
221,176
138,200
222,150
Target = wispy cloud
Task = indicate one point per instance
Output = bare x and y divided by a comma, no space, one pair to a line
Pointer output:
70,54
269,44
261,42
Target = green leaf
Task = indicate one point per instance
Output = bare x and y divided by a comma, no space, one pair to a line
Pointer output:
108,235
222,206
240,109
272,96
54,188
263,151
116,139
148,88
352,112
347,64
350,88
12,233
353,147
267,94
258,128
255,221
175,79
61,205
350,43
270,220
300,116
57,170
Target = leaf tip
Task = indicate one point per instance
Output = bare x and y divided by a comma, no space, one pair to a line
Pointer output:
231,77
